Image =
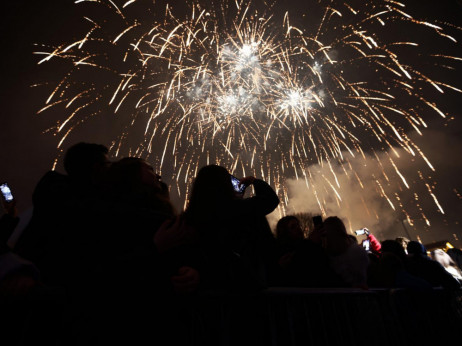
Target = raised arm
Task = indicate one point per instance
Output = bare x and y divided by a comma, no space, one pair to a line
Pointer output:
264,201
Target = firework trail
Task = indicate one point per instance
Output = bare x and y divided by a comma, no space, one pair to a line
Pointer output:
258,90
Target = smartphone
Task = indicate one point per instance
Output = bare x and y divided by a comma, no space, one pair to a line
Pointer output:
6,192
317,220
238,188
366,244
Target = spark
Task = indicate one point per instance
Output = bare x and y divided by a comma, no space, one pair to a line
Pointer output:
239,85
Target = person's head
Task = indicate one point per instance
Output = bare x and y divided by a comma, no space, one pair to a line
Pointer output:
211,192
443,258
133,173
86,162
288,229
414,247
336,236
132,178
403,241
393,246
456,255
389,266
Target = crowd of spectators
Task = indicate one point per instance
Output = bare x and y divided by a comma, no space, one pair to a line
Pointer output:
107,232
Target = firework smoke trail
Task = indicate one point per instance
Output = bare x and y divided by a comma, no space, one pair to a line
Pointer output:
240,85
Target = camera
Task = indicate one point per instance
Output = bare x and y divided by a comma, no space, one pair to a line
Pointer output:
6,192
362,231
239,188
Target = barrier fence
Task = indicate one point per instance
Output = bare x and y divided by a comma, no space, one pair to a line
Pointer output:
297,316
276,317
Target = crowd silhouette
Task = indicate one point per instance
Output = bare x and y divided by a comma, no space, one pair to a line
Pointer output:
106,258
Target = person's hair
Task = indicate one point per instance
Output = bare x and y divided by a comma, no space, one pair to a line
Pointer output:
335,224
81,158
125,174
403,241
394,247
125,182
443,258
281,226
212,191
414,247
456,255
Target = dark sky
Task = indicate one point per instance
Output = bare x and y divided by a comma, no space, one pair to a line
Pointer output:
27,153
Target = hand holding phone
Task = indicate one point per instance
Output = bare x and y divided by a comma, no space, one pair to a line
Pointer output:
238,185
362,231
6,192
366,244
8,201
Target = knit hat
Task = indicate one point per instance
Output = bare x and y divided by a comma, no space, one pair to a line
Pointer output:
414,247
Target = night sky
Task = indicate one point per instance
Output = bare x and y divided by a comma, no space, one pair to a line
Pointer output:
27,152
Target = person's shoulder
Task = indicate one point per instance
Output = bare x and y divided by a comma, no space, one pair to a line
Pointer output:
52,179
51,184
358,252
53,176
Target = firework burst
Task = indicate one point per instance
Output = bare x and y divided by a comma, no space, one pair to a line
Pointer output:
252,88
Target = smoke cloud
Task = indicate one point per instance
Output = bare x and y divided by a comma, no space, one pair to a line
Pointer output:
393,193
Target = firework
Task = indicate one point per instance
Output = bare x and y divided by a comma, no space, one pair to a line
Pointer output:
258,90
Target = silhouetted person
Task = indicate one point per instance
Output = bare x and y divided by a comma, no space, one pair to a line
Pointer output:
50,202
389,271
395,247
303,262
136,283
289,233
134,193
347,258
56,235
421,265
31,312
226,229
59,237
448,263
456,255
8,223
17,275
289,236
403,241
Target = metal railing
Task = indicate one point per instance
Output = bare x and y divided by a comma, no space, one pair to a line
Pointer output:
298,316
276,317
